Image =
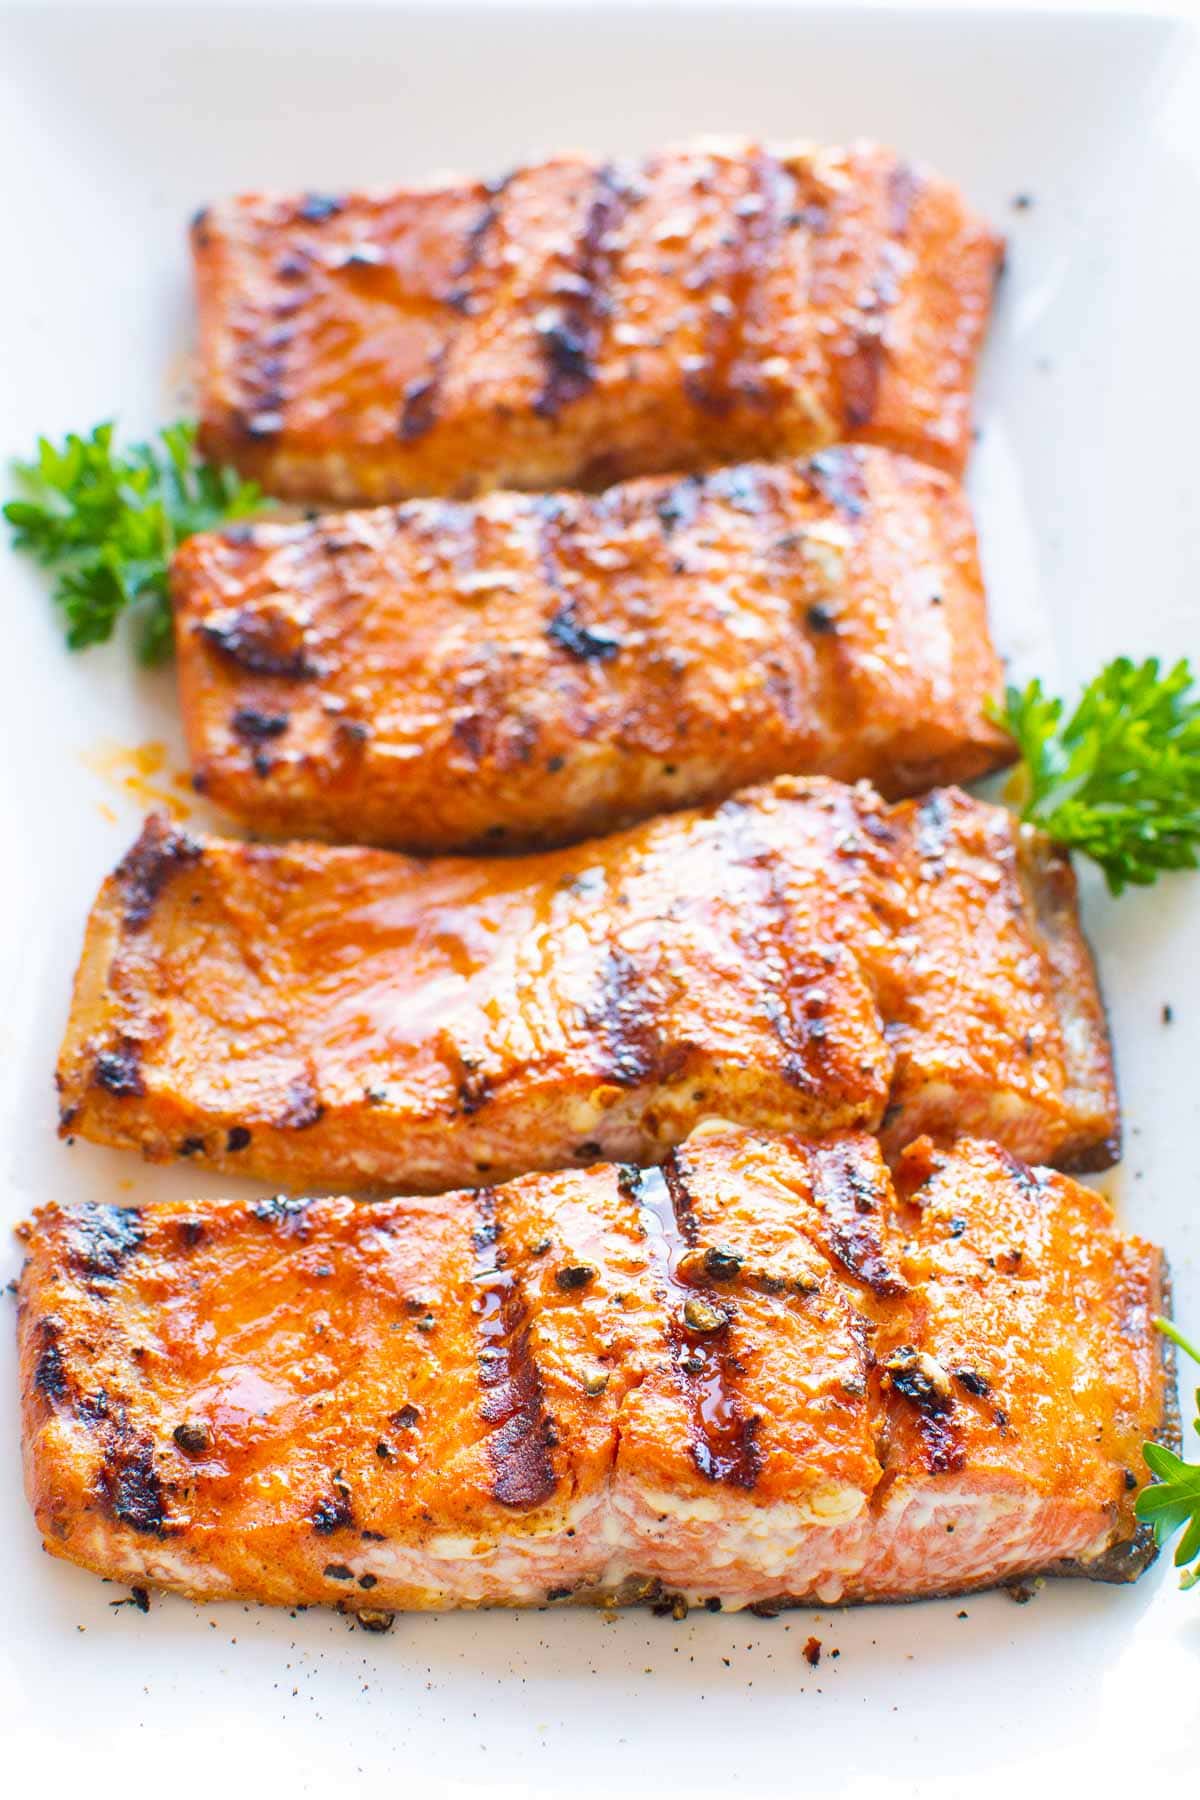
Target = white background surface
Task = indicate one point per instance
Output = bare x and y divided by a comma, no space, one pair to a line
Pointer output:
114,125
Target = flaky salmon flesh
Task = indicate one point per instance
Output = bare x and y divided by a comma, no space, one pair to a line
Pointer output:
578,322
522,671
759,1374
803,957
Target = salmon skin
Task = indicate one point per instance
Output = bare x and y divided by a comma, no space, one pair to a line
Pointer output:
802,957
523,671
761,1374
578,322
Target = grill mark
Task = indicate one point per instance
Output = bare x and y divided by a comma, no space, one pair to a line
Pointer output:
263,641
836,475
159,853
778,964
570,333
850,1207
101,1239
749,246
621,1017
679,505
118,1071
581,641
513,1401
50,1376
302,1106
723,1437
941,1442
863,370
129,1485
924,1388
255,727
419,414
475,242
934,819
584,642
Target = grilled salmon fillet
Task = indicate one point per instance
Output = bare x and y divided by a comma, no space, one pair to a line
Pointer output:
578,322
524,671
802,957
761,1373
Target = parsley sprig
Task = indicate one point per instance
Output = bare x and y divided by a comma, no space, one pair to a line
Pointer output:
1173,1502
1119,779
107,521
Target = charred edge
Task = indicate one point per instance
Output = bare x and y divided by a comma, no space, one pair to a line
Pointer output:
904,184
837,476
850,1207
262,642
255,727
101,1239
724,1440
569,333
513,1402
1120,1563
302,1108
750,244
130,1488
118,1071
160,853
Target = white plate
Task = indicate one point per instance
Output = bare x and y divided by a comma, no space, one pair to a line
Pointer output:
114,125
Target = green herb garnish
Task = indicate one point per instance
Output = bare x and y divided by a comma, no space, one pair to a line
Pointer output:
1120,779
107,522
1173,1502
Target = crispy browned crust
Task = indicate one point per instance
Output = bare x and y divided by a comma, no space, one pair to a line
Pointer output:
522,672
801,957
577,323
323,1401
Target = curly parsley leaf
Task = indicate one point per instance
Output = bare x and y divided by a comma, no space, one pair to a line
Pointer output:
1119,779
1173,1503
106,522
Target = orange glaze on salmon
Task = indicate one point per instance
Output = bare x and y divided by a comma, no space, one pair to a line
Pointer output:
758,1374
579,322
520,672
802,957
